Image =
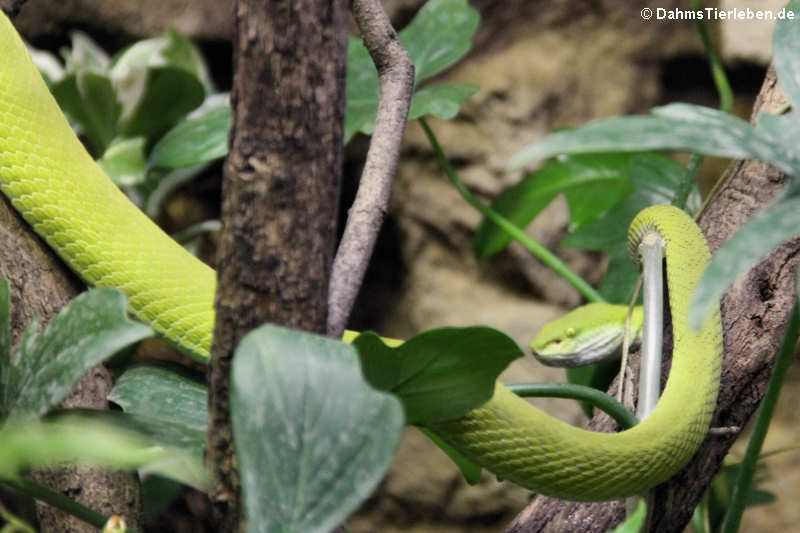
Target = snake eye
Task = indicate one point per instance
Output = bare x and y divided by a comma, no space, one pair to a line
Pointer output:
570,332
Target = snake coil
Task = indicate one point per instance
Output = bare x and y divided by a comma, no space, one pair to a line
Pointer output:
56,186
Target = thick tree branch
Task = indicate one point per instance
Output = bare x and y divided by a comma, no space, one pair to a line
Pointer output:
754,314
40,286
280,195
396,76
11,7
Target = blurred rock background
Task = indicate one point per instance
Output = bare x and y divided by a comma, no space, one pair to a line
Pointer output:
540,65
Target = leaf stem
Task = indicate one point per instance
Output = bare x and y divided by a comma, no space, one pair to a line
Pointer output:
544,255
59,501
717,70
741,489
725,104
597,398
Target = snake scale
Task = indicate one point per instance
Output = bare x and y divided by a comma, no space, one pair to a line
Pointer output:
55,185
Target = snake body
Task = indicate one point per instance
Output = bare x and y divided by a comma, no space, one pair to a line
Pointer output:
56,186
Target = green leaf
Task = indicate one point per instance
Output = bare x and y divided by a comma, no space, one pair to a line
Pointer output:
525,200
124,162
47,64
169,93
784,132
592,200
655,179
161,185
74,439
471,471
133,67
167,396
91,328
312,438
442,100
438,36
362,90
184,458
200,138
89,100
164,394
683,127
752,242
440,374
635,522
785,44
181,52
85,55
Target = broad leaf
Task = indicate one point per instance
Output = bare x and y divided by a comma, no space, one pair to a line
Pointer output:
757,238
525,200
635,522
160,186
437,37
47,64
183,460
76,439
89,100
169,93
784,132
167,406
442,100
123,161
655,179
312,437
785,44
674,127
131,69
440,374
91,328
165,394
471,471
200,138
84,55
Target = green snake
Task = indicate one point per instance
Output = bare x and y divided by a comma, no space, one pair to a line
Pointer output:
55,185
589,334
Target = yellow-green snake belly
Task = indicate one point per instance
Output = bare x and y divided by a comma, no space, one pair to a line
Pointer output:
57,187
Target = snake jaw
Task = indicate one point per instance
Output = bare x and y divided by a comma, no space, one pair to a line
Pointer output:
587,347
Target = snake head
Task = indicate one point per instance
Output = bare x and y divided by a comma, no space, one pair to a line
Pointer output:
586,335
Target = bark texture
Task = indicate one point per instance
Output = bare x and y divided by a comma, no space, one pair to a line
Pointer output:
40,286
280,195
754,315
11,7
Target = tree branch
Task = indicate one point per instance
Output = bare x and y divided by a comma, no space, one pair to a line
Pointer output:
11,7
280,195
396,76
755,312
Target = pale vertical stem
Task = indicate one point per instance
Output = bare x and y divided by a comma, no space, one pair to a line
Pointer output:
651,250
652,253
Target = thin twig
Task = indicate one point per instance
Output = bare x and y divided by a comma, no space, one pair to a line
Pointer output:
396,76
